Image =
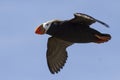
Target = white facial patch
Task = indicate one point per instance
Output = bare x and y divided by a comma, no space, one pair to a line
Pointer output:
47,24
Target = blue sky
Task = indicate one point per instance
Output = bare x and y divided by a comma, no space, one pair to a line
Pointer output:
23,53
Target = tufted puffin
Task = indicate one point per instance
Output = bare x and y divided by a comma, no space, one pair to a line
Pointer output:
64,33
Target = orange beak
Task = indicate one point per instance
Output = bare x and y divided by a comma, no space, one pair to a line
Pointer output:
40,30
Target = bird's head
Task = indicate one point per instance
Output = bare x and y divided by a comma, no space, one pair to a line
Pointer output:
42,29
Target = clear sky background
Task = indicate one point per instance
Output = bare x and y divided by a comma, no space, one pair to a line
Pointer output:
23,53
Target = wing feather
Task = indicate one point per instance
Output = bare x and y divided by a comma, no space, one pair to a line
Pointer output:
86,19
56,54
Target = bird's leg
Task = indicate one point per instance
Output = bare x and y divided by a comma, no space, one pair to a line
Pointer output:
102,38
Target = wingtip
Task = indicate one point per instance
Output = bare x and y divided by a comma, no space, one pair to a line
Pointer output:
103,23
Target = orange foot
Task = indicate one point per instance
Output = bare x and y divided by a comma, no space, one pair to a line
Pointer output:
102,39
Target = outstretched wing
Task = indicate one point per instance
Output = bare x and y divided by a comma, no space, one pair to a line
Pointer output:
86,19
56,54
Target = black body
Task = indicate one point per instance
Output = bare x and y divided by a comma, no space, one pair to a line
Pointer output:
73,32
65,33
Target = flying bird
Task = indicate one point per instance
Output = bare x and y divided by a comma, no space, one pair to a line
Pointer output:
64,33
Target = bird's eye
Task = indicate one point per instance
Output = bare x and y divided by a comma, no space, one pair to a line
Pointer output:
47,24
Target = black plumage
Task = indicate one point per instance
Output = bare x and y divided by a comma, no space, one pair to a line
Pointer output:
67,32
